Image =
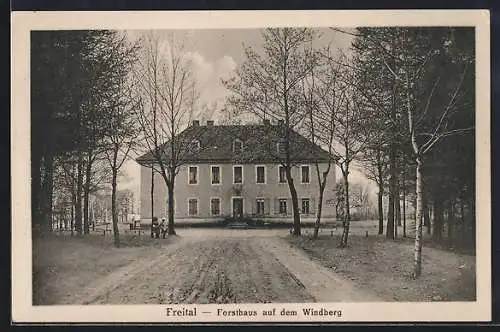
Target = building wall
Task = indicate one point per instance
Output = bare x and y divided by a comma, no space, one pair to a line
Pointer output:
271,191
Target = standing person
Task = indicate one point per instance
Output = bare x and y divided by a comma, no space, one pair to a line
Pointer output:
155,232
163,227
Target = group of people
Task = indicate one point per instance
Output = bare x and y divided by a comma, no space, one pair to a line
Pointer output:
157,228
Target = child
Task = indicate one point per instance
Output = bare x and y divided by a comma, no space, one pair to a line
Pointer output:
163,227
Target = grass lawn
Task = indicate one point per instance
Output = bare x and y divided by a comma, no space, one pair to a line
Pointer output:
385,266
62,264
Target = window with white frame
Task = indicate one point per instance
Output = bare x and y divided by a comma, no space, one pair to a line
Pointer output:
282,205
282,174
216,175
305,174
280,147
215,206
193,174
237,146
237,174
305,206
260,206
195,145
193,206
260,174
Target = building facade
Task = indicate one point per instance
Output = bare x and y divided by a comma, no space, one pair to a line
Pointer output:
232,175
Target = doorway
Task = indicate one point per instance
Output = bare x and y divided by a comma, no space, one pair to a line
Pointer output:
237,208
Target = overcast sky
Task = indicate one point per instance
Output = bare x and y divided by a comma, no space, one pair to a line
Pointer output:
215,54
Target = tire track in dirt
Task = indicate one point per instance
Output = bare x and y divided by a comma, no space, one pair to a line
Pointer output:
323,285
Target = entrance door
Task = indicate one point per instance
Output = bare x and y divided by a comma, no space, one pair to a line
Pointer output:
237,208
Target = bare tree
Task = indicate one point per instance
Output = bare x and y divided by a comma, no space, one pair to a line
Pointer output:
268,86
167,94
323,97
120,141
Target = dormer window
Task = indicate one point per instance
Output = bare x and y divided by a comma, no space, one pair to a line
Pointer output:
237,146
195,145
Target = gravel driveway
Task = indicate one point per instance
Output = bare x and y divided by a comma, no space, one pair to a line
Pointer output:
223,266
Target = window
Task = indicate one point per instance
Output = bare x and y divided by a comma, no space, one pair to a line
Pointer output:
195,145
237,146
193,206
215,206
282,205
215,175
237,174
193,174
260,174
280,147
282,174
305,205
305,174
260,206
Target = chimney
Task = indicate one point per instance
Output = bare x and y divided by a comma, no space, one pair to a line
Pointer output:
266,122
281,122
210,123
196,123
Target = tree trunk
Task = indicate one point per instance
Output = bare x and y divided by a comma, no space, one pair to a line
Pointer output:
73,205
450,221
46,193
392,193
347,216
404,206
438,219
319,210
116,233
79,189
152,197
295,203
417,263
36,219
397,206
171,206
86,193
427,219
380,210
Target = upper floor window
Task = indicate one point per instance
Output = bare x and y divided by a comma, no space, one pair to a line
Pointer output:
215,175
280,147
260,174
237,146
193,174
282,174
305,174
237,174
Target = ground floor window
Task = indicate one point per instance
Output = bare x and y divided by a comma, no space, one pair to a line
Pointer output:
215,206
282,205
193,206
305,205
260,206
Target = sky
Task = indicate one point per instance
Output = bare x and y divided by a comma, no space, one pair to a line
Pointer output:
216,54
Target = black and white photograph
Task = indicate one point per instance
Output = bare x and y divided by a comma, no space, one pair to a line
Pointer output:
287,170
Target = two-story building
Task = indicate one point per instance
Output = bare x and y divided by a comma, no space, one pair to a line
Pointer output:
237,170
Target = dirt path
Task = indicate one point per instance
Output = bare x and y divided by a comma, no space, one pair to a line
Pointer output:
221,269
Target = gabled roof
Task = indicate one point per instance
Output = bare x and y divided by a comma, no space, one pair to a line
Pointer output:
259,145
